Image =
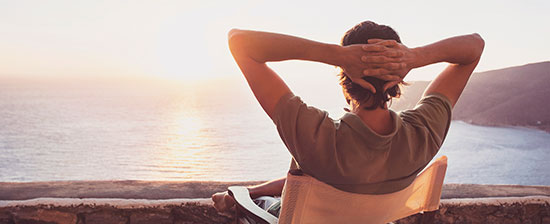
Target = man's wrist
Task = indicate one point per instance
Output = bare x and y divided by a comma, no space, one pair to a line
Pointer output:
253,192
418,58
335,55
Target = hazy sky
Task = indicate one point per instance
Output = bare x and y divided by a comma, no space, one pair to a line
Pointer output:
187,40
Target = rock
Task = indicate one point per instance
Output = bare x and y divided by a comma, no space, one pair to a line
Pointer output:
157,216
198,214
6,217
41,214
105,217
490,210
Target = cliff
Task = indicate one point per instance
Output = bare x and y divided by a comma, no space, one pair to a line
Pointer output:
515,96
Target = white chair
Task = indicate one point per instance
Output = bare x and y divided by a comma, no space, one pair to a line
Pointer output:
308,200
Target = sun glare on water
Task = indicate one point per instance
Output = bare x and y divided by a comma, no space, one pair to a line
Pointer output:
182,156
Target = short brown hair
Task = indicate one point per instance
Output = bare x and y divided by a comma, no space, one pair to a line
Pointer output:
360,34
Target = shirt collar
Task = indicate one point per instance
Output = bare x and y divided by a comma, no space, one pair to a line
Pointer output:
367,133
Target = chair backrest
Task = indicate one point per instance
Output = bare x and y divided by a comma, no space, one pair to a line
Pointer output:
307,200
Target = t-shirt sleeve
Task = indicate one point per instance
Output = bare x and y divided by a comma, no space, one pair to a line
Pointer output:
432,114
306,131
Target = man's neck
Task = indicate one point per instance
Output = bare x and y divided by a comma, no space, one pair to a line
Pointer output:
379,119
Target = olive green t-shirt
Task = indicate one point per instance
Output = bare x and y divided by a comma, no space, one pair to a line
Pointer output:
348,155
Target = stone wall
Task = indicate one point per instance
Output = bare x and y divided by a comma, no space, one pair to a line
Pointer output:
160,202
490,210
534,209
107,211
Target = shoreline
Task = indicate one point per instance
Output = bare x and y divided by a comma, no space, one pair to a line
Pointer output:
545,128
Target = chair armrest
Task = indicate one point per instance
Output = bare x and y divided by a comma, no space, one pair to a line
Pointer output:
243,200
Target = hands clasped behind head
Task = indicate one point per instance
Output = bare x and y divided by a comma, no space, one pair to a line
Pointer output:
382,59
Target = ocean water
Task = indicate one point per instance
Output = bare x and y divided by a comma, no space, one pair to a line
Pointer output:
148,130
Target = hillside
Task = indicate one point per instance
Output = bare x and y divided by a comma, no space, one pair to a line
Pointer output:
515,96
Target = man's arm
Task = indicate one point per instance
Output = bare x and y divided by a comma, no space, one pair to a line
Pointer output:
270,188
462,52
252,49
223,202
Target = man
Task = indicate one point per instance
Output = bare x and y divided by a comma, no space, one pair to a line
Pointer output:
371,149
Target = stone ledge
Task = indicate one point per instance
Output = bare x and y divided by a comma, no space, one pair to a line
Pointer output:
123,211
534,209
134,189
160,202
129,189
113,202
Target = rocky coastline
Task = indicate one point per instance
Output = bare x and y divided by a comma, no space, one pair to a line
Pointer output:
545,128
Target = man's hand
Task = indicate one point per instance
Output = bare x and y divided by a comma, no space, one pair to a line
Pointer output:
389,54
223,202
377,59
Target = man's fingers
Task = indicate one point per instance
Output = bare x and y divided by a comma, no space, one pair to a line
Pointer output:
393,66
379,59
374,40
364,84
393,54
388,52
392,81
219,201
391,84
376,72
387,43
373,48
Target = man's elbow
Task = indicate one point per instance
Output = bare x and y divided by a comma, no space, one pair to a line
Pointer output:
235,39
479,43
233,33
237,36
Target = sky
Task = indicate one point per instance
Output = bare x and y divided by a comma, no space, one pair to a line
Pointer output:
187,40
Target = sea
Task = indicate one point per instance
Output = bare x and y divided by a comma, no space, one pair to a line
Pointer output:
128,129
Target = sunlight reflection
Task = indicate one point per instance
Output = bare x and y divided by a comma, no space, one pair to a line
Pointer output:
182,157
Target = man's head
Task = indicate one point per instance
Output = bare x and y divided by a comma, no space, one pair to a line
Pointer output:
360,34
